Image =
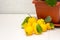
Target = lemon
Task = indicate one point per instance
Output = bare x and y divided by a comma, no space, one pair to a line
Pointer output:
41,21
37,28
29,30
48,26
44,27
32,20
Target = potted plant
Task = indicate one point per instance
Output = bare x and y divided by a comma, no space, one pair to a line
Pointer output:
46,8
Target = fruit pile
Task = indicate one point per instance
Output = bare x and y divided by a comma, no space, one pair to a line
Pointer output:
32,25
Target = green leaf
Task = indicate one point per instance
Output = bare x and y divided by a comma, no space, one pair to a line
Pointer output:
51,2
39,29
52,25
48,19
25,20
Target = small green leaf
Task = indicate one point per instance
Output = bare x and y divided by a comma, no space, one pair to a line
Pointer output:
52,25
51,2
25,20
48,19
39,29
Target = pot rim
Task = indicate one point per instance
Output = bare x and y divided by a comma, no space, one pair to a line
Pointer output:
57,25
36,2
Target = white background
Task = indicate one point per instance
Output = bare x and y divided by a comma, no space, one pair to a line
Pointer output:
17,6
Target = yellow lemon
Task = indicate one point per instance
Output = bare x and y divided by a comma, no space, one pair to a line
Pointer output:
29,24
29,30
32,20
44,27
41,21
48,26
37,28
26,24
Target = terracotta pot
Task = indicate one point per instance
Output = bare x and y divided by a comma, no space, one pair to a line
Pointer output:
43,10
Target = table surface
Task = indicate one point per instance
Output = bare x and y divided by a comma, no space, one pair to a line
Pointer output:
10,29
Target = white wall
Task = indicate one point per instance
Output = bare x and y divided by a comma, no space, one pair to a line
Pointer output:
17,6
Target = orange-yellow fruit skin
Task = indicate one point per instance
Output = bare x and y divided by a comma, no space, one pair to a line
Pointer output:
44,27
28,30
34,28
48,26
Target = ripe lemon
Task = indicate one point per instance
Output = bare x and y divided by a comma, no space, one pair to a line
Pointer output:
28,29
37,28
44,27
48,26
41,21
32,20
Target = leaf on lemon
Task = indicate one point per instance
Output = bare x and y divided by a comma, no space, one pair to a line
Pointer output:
51,2
25,20
48,19
39,29
52,25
